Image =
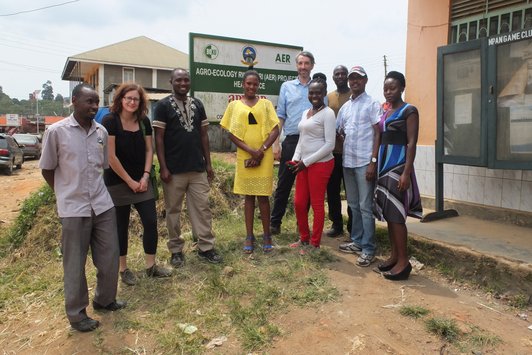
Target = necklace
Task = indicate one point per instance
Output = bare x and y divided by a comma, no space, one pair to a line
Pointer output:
313,111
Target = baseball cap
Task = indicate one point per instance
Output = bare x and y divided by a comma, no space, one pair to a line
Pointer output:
357,69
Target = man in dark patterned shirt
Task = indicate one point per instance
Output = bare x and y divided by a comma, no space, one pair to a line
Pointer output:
182,146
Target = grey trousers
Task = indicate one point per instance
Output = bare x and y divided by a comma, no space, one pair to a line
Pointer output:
78,234
196,187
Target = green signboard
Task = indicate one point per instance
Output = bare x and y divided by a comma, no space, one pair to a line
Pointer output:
217,65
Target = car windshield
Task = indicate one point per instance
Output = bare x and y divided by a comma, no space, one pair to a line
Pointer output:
21,139
3,143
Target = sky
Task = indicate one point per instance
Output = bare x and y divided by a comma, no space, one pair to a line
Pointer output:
35,45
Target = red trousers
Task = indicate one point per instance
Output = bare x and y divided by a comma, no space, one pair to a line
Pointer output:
311,185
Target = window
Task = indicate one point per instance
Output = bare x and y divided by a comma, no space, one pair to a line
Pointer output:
128,75
473,19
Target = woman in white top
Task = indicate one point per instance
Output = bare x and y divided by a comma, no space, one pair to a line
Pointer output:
313,163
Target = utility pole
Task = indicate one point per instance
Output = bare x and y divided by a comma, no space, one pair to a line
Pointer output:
36,97
385,66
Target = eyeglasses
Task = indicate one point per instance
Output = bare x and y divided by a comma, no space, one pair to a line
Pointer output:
131,99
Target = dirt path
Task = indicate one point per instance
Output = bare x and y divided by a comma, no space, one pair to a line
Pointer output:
365,319
16,188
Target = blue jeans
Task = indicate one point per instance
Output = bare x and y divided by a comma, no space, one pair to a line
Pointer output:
359,193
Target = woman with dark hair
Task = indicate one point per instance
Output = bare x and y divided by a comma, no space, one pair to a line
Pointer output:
397,194
253,127
313,163
128,180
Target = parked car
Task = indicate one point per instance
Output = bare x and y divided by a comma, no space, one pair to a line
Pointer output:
31,144
10,153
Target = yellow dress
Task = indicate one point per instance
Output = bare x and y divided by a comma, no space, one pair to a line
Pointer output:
256,181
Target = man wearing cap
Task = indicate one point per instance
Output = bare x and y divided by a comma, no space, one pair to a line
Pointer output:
293,101
337,99
357,123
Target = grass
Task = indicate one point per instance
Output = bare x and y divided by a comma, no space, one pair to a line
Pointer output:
413,311
238,299
445,328
474,341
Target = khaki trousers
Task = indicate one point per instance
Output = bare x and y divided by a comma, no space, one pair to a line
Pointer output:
196,188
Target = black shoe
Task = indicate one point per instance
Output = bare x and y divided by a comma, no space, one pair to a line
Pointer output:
334,232
177,259
211,256
383,267
85,325
113,306
402,275
275,230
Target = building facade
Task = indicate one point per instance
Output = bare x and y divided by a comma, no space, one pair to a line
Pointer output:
469,71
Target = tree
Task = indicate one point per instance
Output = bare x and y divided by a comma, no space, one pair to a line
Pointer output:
59,98
47,91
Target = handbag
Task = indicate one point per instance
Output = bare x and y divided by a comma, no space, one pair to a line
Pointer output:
153,177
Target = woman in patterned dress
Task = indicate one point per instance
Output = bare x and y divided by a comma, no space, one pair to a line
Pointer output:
397,193
253,127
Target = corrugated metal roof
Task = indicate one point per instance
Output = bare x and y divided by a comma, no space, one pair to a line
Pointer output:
136,52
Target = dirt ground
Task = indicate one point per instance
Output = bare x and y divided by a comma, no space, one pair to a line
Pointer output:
365,319
16,188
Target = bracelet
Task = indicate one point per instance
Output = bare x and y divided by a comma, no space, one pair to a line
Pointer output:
264,147
147,172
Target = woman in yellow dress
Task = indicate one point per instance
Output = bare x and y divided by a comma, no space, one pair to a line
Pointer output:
253,127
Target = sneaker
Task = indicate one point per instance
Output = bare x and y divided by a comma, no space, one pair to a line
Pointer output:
365,260
157,271
350,248
275,230
298,244
211,256
128,277
177,259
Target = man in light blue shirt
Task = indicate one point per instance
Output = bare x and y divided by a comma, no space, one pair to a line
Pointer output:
293,100
358,123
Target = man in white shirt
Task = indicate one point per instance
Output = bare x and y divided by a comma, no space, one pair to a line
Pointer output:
357,123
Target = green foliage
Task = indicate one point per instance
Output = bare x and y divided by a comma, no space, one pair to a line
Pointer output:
47,92
28,107
447,329
413,311
519,301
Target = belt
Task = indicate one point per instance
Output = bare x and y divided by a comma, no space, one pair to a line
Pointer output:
394,137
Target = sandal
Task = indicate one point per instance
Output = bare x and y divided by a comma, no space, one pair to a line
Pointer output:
249,244
267,243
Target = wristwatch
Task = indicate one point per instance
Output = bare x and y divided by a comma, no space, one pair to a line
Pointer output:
373,160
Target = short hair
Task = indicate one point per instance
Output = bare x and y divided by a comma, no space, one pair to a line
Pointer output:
250,73
319,80
341,67
116,106
306,54
397,76
320,75
179,69
78,88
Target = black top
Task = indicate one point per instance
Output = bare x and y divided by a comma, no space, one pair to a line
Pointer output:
182,138
130,148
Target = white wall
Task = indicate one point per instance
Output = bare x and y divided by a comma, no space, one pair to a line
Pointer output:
510,189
